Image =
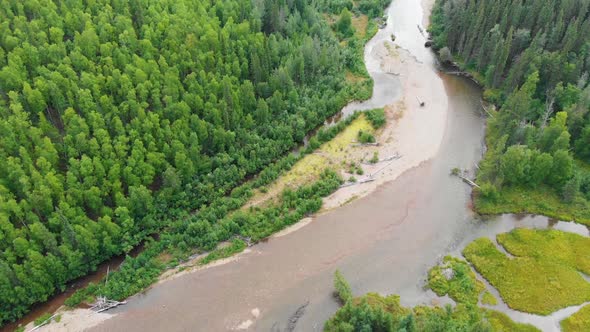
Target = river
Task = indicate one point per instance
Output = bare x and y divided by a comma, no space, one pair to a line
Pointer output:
384,242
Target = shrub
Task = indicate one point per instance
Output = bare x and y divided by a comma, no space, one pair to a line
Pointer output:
376,117
341,288
489,192
41,319
375,158
365,137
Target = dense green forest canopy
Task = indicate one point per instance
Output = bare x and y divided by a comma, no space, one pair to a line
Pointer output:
116,116
534,59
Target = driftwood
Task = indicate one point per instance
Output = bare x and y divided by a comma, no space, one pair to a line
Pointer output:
394,157
45,322
420,102
485,109
103,304
469,182
421,30
382,168
365,144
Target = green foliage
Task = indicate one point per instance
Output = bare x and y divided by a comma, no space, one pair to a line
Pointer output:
534,70
365,137
42,319
502,323
542,200
234,247
113,128
544,274
373,312
578,322
455,278
488,192
341,288
372,8
376,117
489,298
375,158
344,24
81,295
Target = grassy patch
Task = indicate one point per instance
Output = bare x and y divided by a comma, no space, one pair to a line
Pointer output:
578,322
542,200
489,298
502,323
531,283
549,245
359,23
235,247
354,78
455,278
330,155
43,319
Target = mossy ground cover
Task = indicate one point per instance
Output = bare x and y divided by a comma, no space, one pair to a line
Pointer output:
578,322
455,278
502,323
488,298
542,278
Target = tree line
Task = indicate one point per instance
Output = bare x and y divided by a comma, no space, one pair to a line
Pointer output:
533,57
120,117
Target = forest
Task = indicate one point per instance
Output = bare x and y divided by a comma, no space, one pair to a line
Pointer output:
533,58
124,119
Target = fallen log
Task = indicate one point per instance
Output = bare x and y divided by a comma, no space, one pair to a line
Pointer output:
420,101
364,144
394,157
469,182
485,109
43,323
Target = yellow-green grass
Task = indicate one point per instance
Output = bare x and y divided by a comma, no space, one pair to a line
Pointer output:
489,298
331,155
543,200
463,287
355,78
536,283
563,248
502,323
359,23
578,322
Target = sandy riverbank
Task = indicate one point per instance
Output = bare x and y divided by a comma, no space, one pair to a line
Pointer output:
412,131
72,321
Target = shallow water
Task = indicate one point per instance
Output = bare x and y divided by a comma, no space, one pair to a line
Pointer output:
384,242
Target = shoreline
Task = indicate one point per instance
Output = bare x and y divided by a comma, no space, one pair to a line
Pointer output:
414,132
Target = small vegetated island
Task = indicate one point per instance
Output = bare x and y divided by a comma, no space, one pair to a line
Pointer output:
533,60
125,119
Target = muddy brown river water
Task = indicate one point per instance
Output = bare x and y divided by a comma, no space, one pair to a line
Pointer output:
384,242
